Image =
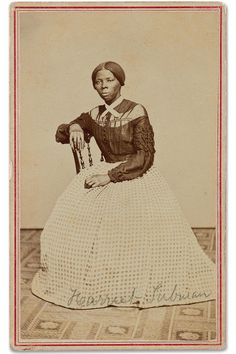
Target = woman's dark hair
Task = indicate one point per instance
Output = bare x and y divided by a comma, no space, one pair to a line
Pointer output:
115,68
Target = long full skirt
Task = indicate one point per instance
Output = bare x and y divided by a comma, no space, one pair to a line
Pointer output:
123,244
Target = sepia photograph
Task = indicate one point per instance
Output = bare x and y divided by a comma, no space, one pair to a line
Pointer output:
118,164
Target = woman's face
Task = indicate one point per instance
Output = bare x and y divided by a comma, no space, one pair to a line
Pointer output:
107,85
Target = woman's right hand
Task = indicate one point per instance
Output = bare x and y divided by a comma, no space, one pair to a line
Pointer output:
76,137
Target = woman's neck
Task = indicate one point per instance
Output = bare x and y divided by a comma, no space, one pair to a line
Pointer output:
113,100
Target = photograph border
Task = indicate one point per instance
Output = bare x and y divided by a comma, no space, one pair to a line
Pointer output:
219,343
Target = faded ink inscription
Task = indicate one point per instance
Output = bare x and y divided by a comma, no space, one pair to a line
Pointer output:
78,299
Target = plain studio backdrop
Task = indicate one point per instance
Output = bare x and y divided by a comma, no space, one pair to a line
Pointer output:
171,61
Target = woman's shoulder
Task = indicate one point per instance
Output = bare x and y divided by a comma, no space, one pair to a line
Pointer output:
135,109
93,112
128,104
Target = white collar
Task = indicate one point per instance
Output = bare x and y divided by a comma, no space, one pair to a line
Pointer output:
110,108
115,103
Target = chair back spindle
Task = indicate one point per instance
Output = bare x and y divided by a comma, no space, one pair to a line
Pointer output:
78,158
62,137
89,155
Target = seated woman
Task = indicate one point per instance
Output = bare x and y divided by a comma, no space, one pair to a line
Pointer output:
124,240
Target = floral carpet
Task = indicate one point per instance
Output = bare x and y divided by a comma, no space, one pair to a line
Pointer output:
45,321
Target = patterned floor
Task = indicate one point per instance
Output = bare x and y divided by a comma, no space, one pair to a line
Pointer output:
42,320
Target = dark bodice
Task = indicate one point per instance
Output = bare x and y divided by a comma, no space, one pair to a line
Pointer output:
127,136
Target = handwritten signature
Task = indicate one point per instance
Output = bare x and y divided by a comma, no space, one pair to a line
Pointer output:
157,296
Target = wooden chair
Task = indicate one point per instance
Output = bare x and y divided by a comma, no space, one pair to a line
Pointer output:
62,136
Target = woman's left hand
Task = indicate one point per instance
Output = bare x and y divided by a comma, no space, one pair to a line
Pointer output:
97,180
